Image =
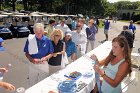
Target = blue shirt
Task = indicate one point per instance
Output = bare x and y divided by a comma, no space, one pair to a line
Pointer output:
91,32
106,25
70,48
1,47
45,47
132,27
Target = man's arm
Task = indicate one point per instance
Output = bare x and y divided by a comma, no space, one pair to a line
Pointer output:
29,57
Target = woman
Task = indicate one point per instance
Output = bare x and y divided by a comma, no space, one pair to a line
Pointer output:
118,65
59,49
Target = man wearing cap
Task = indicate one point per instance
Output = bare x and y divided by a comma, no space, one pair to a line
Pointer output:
91,31
5,85
48,31
70,47
62,26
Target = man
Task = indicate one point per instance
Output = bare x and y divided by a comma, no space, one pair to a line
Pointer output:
80,39
129,37
62,26
38,49
69,22
91,31
132,27
48,31
70,47
106,28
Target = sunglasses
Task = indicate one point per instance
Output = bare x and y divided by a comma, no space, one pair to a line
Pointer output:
57,35
77,26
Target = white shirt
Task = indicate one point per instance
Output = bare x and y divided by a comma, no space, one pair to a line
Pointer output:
84,29
80,39
64,29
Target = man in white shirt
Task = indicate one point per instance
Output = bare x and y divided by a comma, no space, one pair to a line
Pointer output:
63,27
80,39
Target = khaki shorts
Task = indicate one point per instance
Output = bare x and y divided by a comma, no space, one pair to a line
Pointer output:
106,31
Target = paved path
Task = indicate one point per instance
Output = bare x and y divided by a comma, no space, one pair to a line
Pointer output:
18,73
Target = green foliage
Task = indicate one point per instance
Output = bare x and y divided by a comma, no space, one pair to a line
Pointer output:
101,25
19,7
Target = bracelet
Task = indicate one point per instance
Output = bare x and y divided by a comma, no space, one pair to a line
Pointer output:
103,75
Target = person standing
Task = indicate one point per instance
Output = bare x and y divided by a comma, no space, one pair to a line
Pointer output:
81,21
132,27
80,39
38,49
59,51
69,23
49,29
106,28
117,66
129,36
63,27
70,47
91,31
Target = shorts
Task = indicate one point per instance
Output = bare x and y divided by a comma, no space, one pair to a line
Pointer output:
106,31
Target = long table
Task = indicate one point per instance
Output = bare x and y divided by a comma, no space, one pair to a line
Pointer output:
82,65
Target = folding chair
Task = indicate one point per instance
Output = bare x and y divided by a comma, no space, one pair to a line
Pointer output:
127,81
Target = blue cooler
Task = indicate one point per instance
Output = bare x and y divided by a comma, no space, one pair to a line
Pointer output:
68,86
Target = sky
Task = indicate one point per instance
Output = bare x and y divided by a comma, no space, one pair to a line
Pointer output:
112,1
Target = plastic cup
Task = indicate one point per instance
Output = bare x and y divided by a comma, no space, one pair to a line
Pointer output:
20,90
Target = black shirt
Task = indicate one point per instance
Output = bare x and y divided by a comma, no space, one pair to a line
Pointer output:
56,61
129,36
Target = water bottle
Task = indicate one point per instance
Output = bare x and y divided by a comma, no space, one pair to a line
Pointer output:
97,78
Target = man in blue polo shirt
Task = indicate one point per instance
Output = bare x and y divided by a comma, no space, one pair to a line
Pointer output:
38,49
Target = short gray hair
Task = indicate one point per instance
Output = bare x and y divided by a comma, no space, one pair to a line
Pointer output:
38,25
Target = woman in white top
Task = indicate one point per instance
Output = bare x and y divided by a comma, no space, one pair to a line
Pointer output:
118,65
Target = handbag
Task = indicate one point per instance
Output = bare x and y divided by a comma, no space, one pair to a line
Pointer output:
64,61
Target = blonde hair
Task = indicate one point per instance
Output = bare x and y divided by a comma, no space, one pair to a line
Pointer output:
38,25
56,32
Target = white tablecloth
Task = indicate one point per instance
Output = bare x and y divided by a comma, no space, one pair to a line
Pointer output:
82,65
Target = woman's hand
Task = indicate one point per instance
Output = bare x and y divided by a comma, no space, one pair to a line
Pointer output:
54,54
98,70
63,52
93,57
36,61
8,86
3,70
